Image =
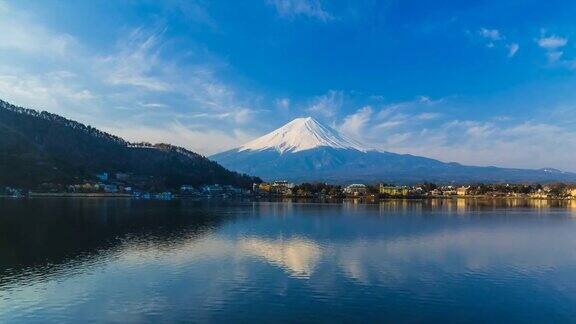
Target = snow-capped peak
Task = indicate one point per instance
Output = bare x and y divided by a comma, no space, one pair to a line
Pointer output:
302,134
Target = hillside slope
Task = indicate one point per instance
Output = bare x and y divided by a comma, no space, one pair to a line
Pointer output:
40,147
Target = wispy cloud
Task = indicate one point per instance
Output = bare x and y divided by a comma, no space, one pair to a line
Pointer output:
354,124
136,62
367,122
328,104
44,91
153,105
133,81
282,103
308,8
491,34
552,42
20,33
513,49
201,139
553,45
496,39
416,127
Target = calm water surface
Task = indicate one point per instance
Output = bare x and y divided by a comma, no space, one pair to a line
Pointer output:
115,260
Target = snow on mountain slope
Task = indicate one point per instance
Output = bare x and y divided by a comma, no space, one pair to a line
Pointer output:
302,134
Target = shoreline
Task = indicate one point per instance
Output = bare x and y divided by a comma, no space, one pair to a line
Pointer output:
69,195
280,198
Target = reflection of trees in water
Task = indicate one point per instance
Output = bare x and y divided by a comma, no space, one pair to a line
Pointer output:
40,236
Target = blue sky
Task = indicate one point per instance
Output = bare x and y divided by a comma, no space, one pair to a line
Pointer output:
478,82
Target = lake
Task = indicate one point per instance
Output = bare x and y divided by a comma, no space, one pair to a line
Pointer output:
124,261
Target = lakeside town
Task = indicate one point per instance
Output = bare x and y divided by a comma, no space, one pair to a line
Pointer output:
121,184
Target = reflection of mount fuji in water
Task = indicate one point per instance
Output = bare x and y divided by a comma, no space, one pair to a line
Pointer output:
306,150
297,256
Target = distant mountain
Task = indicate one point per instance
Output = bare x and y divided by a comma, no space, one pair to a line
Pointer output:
40,147
306,150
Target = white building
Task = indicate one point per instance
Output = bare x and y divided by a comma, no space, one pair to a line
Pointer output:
356,189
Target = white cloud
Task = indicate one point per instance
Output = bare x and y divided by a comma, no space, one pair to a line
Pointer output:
308,8
419,127
552,42
45,92
136,62
553,45
497,40
283,103
327,105
139,63
491,34
152,105
427,116
480,143
199,139
355,123
554,56
20,33
513,49
366,125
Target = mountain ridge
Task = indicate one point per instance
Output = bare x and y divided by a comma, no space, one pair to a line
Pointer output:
338,162
40,147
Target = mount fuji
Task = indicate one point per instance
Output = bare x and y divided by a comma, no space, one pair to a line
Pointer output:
306,150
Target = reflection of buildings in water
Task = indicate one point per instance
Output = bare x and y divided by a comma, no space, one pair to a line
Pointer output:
513,202
571,205
460,205
297,256
351,203
539,203
358,201
282,208
401,205
435,203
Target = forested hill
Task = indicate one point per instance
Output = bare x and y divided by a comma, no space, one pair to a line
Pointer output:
40,147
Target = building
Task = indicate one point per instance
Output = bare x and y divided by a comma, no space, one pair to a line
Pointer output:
448,191
282,183
571,192
355,189
282,187
263,187
540,194
393,191
463,191
14,192
213,190
163,196
188,190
